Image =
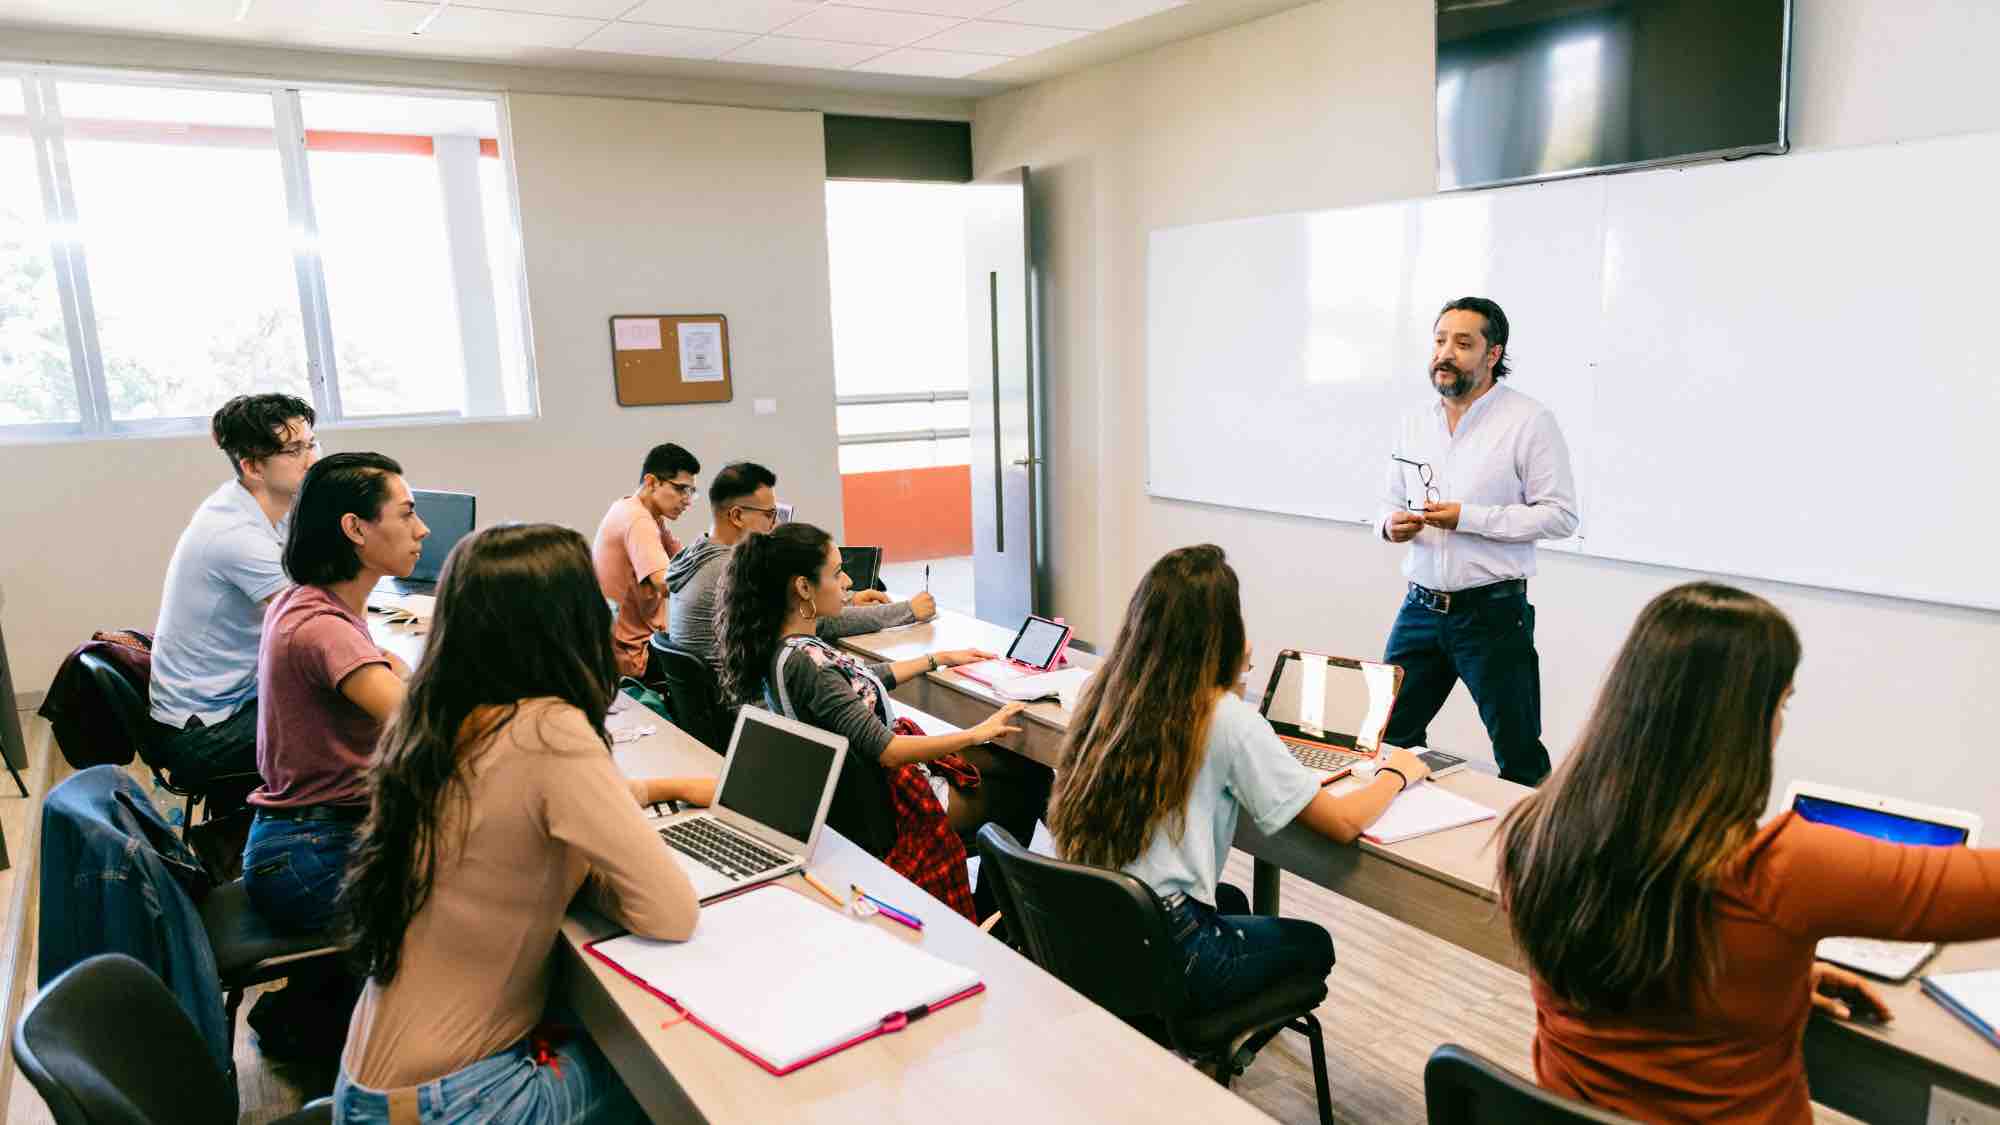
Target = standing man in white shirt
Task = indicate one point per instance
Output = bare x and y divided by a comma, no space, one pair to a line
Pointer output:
1474,480
225,569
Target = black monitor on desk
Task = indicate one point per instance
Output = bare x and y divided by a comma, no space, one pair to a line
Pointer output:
450,517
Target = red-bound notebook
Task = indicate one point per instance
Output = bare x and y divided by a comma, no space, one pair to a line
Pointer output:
786,981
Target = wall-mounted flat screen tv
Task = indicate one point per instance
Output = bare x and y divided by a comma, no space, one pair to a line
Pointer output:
1540,89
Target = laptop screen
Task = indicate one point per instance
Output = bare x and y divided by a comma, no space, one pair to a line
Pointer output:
1888,826
449,515
862,564
776,778
1330,700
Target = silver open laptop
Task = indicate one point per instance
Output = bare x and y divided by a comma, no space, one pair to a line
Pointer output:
1899,822
770,804
1330,711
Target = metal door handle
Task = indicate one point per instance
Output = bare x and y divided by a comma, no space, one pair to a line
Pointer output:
1027,461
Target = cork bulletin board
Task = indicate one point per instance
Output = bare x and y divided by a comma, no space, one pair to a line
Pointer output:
669,360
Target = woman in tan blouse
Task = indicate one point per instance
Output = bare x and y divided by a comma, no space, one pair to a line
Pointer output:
493,800
1669,938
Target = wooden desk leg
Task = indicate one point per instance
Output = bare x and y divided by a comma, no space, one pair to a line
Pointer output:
1264,887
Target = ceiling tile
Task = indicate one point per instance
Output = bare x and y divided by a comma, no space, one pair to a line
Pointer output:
962,8
863,25
931,64
1090,15
507,29
583,9
781,50
671,42
377,17
721,15
993,38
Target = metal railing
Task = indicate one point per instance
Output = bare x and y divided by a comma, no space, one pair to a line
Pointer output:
898,399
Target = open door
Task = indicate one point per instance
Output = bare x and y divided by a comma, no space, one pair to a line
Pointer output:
1006,461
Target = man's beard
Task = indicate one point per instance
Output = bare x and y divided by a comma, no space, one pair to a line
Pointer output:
1461,382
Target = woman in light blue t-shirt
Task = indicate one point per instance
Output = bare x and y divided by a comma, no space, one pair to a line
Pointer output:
1161,755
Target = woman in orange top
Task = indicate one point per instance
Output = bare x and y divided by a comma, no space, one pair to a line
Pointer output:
1669,938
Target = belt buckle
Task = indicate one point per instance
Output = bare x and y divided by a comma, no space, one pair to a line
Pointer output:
1443,598
1437,601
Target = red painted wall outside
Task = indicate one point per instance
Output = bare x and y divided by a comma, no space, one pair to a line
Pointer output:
910,513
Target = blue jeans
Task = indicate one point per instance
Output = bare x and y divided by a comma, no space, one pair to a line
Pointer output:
1490,645
1227,956
292,870
508,1086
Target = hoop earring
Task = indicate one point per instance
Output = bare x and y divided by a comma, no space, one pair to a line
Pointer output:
809,609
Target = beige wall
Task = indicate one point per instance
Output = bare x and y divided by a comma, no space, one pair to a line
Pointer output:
627,206
1327,106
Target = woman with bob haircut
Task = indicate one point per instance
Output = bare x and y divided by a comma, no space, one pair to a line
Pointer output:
325,687
1669,938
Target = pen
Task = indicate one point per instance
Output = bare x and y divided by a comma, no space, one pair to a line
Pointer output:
906,919
927,578
813,881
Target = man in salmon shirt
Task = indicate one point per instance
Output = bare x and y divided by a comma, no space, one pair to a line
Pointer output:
633,547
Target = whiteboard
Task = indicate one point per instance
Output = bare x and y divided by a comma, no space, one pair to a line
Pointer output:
1778,368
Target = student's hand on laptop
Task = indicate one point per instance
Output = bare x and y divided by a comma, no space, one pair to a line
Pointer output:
924,606
872,597
1840,993
957,656
686,790
1408,764
998,723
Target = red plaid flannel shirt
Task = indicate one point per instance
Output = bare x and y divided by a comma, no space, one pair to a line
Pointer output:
927,852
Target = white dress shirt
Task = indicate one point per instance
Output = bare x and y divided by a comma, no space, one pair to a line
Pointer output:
1508,469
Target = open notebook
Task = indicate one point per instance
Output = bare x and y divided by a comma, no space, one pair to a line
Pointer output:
1422,809
786,981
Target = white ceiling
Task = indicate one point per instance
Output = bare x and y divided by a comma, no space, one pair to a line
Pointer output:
965,47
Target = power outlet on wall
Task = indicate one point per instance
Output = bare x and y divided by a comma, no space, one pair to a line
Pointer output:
1948,1108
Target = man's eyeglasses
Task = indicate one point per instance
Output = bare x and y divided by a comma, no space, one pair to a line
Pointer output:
297,449
772,512
1427,475
687,490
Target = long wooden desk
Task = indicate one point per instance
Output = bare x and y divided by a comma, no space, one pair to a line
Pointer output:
1444,884
1029,1048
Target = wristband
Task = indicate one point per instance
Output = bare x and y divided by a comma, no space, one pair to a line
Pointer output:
932,657
1380,770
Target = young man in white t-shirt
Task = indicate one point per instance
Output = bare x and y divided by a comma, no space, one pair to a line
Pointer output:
225,570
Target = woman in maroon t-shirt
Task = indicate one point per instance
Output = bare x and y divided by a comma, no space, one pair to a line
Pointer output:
325,687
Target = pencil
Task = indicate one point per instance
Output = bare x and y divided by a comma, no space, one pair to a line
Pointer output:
822,888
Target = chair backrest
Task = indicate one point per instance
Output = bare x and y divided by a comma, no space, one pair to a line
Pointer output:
694,694
125,703
1463,1088
1101,932
105,1042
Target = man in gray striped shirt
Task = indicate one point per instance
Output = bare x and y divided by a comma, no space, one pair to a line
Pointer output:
742,501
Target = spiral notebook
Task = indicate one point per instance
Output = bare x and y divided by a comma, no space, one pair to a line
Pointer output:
1971,996
786,981
1422,809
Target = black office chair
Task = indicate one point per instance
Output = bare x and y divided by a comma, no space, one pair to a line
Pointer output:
128,705
694,694
248,952
1104,934
105,1042
1463,1088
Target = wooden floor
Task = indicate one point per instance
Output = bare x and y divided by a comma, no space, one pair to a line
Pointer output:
1396,993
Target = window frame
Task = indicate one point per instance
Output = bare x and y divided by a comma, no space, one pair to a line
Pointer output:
69,259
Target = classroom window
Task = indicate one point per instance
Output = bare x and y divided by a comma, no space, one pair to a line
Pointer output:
166,245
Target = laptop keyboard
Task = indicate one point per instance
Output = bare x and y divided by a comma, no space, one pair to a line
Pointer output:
1321,758
711,845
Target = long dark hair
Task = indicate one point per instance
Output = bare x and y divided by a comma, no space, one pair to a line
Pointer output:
755,597
317,549
1135,743
519,617
1608,873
